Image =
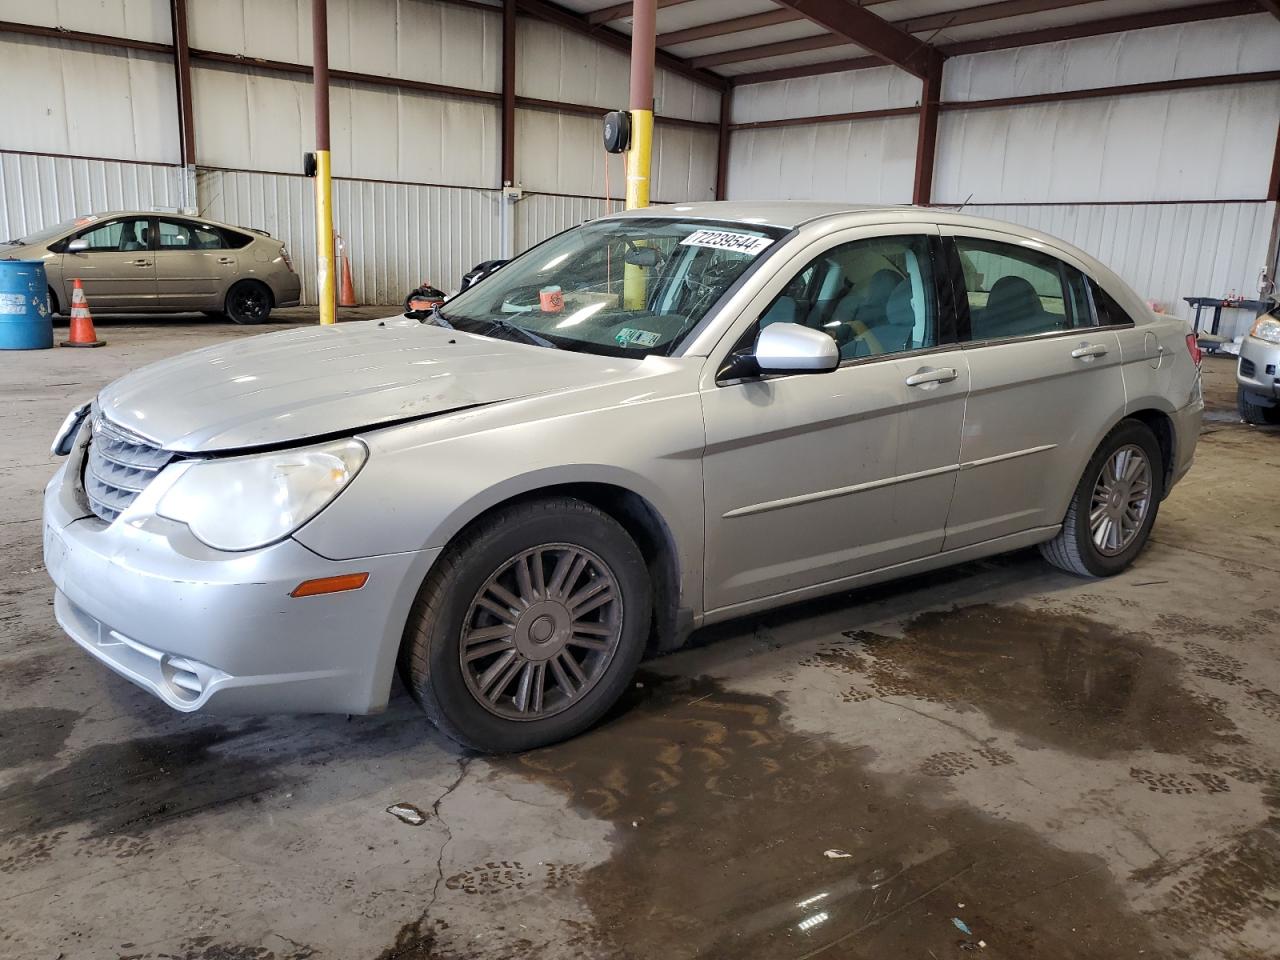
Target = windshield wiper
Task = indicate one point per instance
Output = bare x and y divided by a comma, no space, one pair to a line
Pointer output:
438,318
527,335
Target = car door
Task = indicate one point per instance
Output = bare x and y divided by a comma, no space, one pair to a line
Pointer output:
814,478
115,264
1045,381
194,265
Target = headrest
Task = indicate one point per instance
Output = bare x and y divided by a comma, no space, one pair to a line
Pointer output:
1012,297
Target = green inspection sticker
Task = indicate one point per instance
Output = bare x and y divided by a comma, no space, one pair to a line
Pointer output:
642,338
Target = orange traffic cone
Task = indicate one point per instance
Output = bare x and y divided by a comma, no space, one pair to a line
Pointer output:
347,295
82,332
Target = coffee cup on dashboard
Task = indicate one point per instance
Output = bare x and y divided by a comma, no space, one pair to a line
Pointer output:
551,299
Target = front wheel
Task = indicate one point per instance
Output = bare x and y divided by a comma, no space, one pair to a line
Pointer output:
1253,412
1114,506
249,302
529,627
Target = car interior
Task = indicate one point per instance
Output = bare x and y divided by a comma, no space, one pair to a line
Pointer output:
871,296
1016,293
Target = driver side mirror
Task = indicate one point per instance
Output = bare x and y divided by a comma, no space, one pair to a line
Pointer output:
784,348
78,245
792,348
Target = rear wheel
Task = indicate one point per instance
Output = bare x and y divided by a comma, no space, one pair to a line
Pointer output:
529,627
1114,506
1253,412
249,302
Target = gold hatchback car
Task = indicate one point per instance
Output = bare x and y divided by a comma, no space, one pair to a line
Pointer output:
140,262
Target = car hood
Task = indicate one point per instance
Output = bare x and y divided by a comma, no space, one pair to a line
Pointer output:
286,387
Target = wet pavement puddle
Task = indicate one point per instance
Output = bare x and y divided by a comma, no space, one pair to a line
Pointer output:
132,786
723,817
1060,680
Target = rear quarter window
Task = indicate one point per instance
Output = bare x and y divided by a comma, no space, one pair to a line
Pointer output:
1109,312
236,240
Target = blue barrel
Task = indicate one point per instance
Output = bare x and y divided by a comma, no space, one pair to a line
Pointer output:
25,323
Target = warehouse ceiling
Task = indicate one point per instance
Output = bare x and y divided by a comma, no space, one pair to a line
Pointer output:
750,41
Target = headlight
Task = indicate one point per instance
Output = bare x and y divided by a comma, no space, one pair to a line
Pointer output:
66,434
245,502
1267,328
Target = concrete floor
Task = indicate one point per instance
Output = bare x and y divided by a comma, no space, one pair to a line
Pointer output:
999,754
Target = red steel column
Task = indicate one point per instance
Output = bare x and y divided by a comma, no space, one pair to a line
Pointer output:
927,138
508,93
182,84
722,150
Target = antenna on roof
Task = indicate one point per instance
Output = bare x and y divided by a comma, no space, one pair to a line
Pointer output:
965,204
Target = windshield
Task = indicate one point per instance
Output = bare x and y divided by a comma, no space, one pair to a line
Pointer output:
626,287
48,233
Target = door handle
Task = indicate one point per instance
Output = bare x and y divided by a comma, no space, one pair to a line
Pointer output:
225,260
1087,351
142,263
937,375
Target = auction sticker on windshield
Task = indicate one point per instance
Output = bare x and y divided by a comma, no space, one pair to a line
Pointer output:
643,338
727,240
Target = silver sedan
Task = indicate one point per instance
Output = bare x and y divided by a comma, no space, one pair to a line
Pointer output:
649,423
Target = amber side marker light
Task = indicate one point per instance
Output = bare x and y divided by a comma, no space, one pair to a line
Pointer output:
346,581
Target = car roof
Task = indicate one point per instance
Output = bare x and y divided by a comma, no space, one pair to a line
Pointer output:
775,213
791,214
796,214
168,214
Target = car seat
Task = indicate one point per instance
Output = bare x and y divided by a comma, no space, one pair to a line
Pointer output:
129,239
897,332
1013,309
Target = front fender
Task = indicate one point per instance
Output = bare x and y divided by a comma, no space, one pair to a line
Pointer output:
425,481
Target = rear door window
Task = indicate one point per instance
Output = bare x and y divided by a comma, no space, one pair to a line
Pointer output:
1017,291
184,235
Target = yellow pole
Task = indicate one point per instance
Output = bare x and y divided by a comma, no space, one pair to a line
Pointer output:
325,267
324,184
644,28
639,157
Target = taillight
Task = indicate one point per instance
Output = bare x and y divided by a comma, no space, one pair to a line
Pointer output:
1193,348
284,252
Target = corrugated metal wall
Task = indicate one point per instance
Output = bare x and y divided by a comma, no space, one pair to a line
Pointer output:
1048,165
541,215
864,161
868,161
38,191
69,98
135,19
397,234
1208,144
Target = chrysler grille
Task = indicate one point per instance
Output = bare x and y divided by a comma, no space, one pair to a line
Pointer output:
118,468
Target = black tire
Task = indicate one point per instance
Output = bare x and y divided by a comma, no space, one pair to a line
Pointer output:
430,653
1255,413
249,301
54,309
1073,549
